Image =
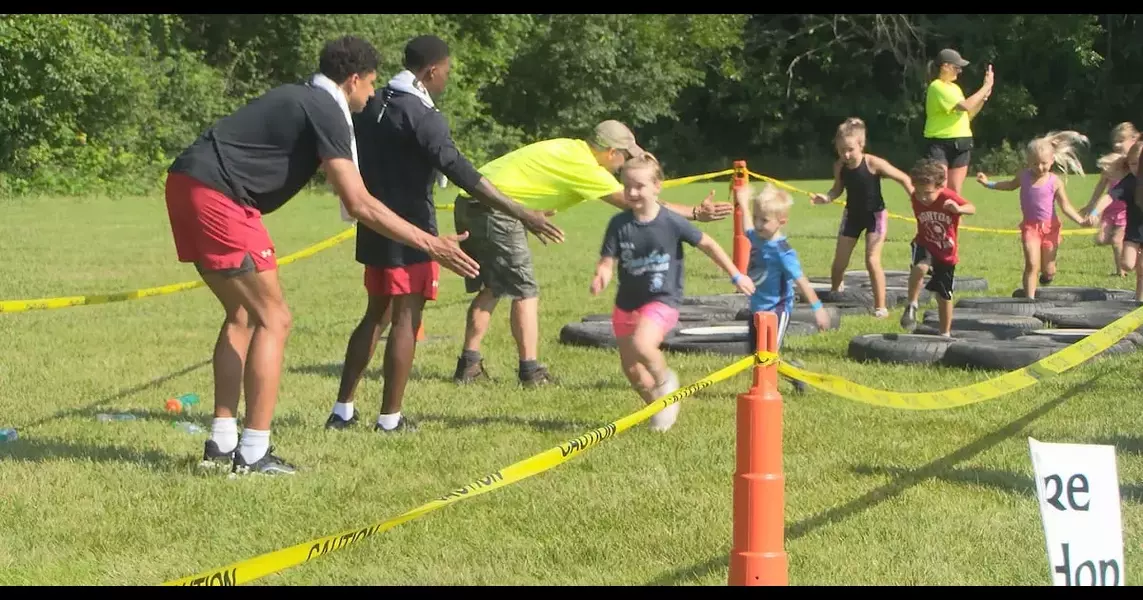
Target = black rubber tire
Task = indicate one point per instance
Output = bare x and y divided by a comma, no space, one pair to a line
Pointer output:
731,301
725,344
1076,294
1023,307
900,348
802,313
1128,305
999,333
590,334
1079,316
1071,336
980,320
686,314
968,284
1010,355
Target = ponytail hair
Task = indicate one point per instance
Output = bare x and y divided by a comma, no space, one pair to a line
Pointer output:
851,127
1061,145
1111,161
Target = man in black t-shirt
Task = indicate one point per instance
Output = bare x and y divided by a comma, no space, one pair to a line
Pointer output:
251,163
403,142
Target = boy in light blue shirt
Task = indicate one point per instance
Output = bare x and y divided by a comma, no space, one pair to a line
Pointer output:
774,266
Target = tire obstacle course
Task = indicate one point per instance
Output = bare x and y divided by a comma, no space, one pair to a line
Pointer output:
988,332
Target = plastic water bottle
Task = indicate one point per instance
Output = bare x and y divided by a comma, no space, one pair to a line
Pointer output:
187,427
182,403
8,434
105,417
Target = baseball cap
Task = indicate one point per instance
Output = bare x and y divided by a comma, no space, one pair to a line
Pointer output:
613,134
948,55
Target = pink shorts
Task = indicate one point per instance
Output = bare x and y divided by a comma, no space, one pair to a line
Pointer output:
1046,233
623,322
1115,215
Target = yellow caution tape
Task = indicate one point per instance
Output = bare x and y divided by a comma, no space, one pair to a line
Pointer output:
795,190
1008,383
272,562
8,306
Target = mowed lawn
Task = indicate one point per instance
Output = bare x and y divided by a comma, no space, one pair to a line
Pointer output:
874,496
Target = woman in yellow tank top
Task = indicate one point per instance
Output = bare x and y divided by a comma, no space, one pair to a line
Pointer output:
948,133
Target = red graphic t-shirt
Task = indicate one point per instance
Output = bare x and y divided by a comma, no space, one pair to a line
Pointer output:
937,227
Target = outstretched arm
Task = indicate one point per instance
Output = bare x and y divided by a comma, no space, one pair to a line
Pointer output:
1066,206
834,192
718,255
880,166
362,206
1004,186
706,211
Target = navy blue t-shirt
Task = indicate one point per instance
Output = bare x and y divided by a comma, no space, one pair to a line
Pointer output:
650,257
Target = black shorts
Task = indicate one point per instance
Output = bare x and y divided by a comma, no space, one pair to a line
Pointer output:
873,223
941,275
954,152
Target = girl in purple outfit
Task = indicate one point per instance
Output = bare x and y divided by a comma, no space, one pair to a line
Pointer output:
1040,191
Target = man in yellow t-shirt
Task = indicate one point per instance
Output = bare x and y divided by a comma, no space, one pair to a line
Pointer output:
552,175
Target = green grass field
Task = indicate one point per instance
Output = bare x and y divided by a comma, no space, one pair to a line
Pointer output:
874,496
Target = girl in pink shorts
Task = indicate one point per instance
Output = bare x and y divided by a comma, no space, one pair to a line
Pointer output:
1107,212
1040,192
647,241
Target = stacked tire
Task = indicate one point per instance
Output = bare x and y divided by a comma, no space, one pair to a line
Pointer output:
1004,334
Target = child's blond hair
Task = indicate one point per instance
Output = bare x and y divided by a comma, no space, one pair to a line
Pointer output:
1112,161
770,203
1061,146
1124,131
646,161
851,127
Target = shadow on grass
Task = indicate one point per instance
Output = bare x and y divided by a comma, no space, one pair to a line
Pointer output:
39,450
1005,481
538,424
903,480
333,370
123,393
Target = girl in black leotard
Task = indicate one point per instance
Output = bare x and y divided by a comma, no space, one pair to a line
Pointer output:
858,175
1128,190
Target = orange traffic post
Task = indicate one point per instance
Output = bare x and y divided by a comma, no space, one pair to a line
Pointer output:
758,555
741,248
421,332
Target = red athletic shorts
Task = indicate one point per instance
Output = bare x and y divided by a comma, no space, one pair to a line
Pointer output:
421,278
214,231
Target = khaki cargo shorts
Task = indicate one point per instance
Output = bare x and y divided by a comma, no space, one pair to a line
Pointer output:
500,244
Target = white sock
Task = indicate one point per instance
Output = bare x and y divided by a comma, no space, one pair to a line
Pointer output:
254,445
343,410
913,304
389,422
224,432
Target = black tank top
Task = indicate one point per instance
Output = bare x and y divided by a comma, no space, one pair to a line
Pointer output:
862,189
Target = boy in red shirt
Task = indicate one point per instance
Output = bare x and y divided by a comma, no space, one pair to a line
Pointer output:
934,248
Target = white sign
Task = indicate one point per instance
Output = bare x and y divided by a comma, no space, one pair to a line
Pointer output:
1078,489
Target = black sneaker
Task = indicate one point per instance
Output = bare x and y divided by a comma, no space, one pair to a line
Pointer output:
469,372
909,317
336,422
267,465
404,425
213,458
537,377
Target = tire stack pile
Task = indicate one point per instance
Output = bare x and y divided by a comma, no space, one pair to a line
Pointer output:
711,324
1004,334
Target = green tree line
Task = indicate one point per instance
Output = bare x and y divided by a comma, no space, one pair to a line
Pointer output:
104,102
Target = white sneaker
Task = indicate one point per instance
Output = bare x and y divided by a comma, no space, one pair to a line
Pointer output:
664,419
